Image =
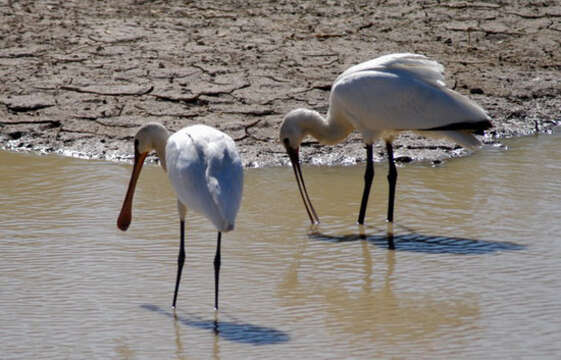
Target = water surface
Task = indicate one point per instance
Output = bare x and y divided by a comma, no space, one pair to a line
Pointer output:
475,273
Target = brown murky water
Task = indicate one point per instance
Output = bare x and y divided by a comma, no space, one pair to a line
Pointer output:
475,274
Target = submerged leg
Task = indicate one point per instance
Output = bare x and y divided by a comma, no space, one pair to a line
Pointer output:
392,179
389,236
182,210
368,177
217,270
180,260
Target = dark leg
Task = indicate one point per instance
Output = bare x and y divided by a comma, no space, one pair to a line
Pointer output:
217,270
368,177
180,260
389,236
392,179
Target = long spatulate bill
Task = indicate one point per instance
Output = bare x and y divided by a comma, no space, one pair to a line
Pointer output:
294,159
125,215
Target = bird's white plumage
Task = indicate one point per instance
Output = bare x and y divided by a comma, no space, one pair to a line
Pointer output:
418,66
206,172
401,92
381,98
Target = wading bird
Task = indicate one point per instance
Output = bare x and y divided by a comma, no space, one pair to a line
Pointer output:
206,173
380,98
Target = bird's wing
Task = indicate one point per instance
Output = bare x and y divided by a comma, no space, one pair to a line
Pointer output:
416,65
206,173
376,101
224,175
186,171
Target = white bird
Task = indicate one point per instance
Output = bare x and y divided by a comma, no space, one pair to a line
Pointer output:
206,173
381,98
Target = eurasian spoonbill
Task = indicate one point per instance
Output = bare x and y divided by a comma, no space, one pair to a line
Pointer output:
381,98
206,173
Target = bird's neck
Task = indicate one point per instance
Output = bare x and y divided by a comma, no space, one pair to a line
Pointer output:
159,143
330,130
161,151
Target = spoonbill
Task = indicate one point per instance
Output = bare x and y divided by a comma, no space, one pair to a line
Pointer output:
380,98
206,173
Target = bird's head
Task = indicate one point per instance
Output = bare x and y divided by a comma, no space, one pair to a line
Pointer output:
293,130
151,136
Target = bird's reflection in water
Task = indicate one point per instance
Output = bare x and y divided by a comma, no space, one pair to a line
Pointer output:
124,350
215,346
178,342
374,311
368,266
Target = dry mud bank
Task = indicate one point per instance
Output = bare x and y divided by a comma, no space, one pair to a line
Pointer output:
78,77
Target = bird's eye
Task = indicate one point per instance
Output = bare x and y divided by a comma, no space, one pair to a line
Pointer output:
135,142
286,141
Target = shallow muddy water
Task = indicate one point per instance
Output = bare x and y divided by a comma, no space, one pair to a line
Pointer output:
475,274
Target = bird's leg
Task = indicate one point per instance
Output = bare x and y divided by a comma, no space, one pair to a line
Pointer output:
389,236
180,260
392,179
368,177
182,210
217,270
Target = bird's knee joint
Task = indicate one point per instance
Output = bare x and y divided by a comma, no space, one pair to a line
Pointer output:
181,258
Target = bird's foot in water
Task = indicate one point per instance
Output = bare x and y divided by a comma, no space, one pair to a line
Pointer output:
389,235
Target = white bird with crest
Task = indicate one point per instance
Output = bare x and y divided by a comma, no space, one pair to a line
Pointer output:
206,173
381,98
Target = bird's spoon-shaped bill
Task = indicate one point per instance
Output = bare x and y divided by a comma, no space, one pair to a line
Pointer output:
125,215
294,159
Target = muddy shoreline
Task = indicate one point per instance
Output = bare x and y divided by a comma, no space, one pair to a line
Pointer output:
78,77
